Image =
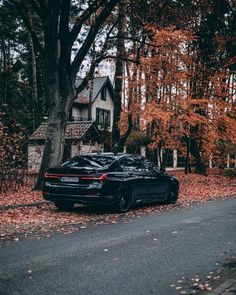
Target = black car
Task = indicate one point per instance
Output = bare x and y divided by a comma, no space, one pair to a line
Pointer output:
120,180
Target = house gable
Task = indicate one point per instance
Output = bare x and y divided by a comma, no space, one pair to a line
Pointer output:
93,90
102,102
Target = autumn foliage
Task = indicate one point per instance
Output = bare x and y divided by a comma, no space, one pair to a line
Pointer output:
12,157
180,101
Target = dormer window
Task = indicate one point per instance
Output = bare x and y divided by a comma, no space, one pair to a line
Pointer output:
103,117
104,94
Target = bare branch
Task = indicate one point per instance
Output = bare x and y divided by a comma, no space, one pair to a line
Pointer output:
64,20
92,34
89,75
43,5
51,29
81,19
38,10
125,58
22,8
141,41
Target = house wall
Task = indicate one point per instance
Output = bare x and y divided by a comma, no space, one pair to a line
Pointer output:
83,148
80,112
108,104
35,154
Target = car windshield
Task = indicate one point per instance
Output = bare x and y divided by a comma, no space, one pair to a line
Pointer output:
97,161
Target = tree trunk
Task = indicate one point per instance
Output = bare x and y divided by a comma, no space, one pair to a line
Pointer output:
60,92
5,66
34,85
55,137
187,160
118,77
123,138
160,157
195,150
200,166
34,78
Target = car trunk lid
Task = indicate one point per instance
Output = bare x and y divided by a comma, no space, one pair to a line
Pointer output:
70,175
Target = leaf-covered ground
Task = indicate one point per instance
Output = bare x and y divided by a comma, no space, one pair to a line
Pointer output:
43,219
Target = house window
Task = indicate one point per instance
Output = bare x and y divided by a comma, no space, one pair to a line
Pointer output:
104,94
103,117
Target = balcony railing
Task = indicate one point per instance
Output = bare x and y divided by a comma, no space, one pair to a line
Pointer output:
105,125
76,118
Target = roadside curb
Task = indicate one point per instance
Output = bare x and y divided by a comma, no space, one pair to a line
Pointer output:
225,286
23,205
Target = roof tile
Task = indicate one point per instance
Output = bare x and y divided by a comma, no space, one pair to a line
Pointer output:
84,95
74,130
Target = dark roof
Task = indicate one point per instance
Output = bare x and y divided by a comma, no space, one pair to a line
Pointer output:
74,130
98,83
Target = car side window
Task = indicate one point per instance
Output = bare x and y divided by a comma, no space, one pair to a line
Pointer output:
149,166
131,164
134,164
126,164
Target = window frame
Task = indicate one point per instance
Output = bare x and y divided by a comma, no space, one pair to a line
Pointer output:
104,93
103,117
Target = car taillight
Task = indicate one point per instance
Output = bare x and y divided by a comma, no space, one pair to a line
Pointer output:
103,177
50,175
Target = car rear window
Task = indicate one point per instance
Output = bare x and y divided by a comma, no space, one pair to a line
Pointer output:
89,161
100,159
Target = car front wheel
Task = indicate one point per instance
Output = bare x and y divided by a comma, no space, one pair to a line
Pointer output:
172,197
123,199
64,205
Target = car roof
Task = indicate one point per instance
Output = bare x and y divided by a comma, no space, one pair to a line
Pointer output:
113,155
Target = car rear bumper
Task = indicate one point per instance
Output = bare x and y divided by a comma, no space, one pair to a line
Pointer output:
85,198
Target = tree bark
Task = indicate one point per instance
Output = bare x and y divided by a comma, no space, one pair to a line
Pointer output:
59,93
34,78
195,150
187,160
55,136
118,77
5,65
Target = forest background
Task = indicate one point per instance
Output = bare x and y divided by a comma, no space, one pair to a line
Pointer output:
174,76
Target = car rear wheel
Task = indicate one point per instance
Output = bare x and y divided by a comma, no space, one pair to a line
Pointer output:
64,205
172,197
123,201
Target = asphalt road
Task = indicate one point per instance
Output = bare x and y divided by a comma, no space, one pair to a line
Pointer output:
143,256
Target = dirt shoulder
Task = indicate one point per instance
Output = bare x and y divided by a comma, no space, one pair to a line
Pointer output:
24,213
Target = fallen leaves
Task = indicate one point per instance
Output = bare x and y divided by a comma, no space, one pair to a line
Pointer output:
198,284
193,285
24,196
42,219
201,188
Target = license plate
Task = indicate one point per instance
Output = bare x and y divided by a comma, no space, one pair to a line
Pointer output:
69,179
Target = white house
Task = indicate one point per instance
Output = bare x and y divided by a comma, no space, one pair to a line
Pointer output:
95,102
91,113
